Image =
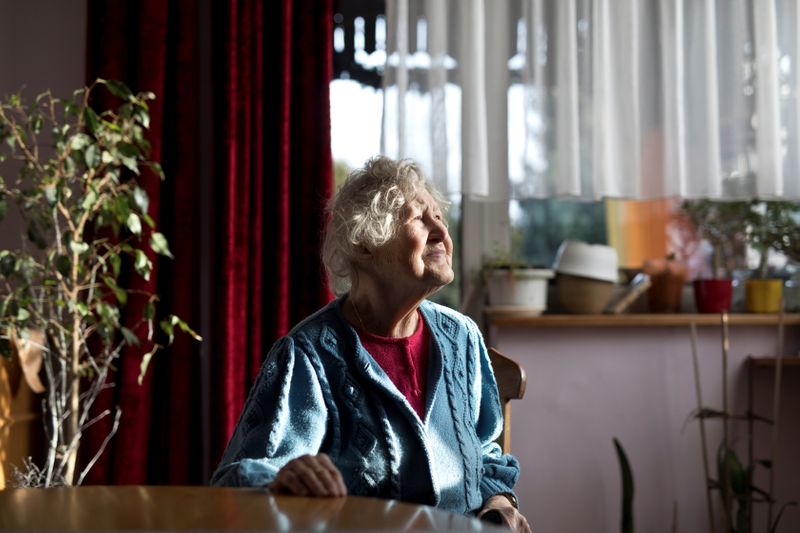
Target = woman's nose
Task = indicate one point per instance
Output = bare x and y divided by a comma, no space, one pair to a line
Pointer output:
438,229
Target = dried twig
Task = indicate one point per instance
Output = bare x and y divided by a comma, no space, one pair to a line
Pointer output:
699,393
776,406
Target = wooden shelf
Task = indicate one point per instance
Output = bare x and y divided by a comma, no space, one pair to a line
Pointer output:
529,318
770,362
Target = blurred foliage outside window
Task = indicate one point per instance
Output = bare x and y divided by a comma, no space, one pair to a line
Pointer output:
540,225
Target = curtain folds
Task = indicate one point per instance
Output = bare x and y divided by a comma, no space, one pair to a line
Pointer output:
245,145
275,119
605,98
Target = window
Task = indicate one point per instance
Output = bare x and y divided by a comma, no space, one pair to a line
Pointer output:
357,107
638,230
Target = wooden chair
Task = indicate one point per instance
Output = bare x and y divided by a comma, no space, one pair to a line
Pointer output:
511,380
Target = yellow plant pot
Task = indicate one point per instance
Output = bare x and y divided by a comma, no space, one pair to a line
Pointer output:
763,295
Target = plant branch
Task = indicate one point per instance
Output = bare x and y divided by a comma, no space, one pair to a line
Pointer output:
776,406
703,442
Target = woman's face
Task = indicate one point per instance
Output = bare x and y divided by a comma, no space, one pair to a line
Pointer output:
421,252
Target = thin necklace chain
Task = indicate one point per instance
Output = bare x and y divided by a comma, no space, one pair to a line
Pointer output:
358,315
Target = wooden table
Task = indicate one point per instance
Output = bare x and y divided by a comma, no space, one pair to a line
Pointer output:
206,508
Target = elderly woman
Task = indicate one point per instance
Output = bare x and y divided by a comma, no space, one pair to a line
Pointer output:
381,392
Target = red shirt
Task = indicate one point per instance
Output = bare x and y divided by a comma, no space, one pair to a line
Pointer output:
405,361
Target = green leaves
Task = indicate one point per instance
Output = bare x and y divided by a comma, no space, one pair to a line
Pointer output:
129,154
76,185
108,320
78,247
626,474
35,234
120,294
145,363
89,200
80,141
50,193
77,177
131,339
118,89
63,265
140,199
730,472
134,223
706,413
142,264
156,167
82,309
7,263
116,263
92,121
168,327
159,244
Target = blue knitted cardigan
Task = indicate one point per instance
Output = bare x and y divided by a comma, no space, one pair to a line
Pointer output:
320,391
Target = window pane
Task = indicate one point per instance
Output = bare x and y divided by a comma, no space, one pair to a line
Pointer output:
540,225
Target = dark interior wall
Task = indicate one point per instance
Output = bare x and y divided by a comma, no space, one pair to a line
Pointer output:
42,46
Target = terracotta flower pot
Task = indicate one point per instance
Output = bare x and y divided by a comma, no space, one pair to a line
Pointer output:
713,295
666,290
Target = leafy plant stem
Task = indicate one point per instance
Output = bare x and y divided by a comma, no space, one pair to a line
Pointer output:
703,441
82,206
726,488
626,520
776,405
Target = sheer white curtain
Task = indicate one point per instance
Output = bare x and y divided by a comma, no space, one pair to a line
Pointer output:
445,95
594,98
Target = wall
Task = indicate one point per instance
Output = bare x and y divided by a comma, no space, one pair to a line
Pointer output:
587,385
42,46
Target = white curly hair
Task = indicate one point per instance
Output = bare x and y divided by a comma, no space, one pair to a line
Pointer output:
366,212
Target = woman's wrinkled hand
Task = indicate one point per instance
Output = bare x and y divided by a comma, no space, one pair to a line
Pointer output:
310,475
511,517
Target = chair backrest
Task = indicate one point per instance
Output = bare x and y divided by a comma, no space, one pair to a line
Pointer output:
511,380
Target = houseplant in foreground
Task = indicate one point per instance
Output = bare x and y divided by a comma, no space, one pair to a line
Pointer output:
86,224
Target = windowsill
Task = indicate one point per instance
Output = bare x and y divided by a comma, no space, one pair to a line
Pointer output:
529,318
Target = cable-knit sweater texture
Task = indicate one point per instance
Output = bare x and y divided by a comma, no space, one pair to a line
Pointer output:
320,391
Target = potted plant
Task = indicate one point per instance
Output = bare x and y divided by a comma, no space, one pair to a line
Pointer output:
733,480
587,276
85,225
771,225
667,277
511,281
720,223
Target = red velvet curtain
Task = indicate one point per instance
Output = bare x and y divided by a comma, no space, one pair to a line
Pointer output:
241,126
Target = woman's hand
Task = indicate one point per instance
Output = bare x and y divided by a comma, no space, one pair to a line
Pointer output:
512,518
310,475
